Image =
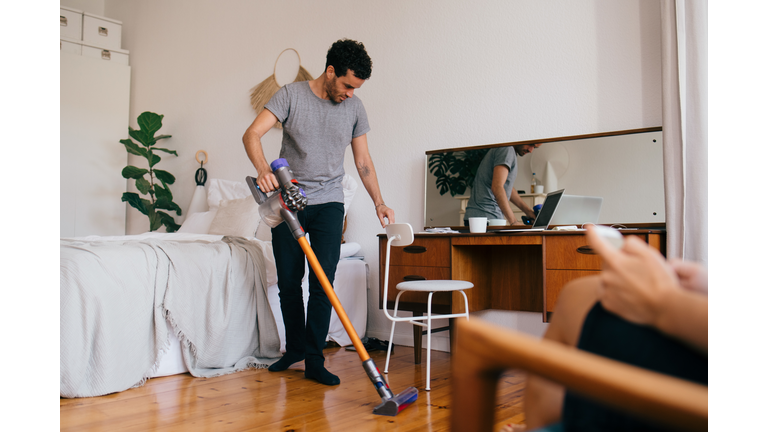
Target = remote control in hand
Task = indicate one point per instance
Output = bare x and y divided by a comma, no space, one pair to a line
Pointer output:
610,235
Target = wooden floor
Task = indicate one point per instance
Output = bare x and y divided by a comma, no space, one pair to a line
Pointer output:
259,400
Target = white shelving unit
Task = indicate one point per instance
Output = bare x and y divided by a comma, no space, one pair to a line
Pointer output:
95,100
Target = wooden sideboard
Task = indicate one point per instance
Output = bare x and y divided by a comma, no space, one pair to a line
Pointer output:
511,271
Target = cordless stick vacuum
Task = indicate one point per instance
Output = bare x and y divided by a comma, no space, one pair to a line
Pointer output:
282,206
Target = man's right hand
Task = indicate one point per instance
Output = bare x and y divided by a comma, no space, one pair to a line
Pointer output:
267,181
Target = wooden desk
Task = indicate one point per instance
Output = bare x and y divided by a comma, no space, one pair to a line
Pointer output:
511,271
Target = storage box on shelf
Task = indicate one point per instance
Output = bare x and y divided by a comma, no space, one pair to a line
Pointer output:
102,32
71,21
92,36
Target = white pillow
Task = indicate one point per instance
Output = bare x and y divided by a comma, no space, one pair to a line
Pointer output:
198,223
349,249
239,217
264,232
223,190
350,187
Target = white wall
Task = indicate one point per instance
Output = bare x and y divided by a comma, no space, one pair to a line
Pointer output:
95,7
445,74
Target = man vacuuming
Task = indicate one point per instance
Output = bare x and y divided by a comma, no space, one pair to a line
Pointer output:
320,118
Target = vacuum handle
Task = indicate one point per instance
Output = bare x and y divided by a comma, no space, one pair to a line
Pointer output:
258,194
328,288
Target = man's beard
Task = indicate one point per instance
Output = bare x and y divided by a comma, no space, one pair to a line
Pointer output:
330,87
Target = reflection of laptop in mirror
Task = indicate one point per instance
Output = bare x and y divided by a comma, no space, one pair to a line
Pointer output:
544,218
577,210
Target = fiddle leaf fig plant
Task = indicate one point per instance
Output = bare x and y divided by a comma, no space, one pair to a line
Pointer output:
150,181
455,171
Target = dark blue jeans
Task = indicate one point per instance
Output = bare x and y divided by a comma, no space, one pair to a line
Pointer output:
608,335
324,224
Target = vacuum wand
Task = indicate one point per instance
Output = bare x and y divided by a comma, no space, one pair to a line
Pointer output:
281,207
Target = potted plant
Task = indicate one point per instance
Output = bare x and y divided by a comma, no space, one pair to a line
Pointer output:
455,171
160,196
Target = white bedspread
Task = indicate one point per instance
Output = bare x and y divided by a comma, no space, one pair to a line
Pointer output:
117,292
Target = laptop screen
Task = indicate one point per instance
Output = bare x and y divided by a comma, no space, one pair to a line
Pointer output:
577,210
548,209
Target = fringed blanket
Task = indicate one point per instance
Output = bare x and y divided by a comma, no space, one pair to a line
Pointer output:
116,295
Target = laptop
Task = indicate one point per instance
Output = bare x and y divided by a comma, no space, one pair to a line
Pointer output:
577,210
547,212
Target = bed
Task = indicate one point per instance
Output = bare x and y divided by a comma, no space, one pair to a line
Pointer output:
203,300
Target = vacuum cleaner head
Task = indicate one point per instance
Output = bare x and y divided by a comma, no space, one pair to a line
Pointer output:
391,404
391,407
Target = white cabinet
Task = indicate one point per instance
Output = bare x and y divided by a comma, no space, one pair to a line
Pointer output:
113,55
71,47
94,118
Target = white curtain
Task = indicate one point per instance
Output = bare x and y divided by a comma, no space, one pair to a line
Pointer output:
684,122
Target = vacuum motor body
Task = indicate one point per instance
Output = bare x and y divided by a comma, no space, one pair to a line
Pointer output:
283,204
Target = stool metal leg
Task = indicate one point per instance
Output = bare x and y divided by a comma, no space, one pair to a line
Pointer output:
389,347
466,304
392,332
429,339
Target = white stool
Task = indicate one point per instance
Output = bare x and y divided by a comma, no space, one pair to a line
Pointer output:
402,235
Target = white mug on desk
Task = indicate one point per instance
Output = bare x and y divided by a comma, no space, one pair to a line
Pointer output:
477,224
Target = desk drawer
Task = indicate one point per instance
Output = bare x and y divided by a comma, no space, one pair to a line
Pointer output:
556,280
572,252
424,252
563,254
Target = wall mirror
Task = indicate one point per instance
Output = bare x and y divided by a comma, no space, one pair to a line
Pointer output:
623,167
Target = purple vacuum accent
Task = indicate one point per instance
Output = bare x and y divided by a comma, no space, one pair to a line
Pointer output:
278,163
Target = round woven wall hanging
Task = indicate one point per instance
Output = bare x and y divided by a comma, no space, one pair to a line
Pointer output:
263,92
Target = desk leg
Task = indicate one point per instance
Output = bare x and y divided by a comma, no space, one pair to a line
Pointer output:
451,333
417,340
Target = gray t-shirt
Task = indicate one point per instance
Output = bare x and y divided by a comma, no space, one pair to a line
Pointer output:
482,202
316,133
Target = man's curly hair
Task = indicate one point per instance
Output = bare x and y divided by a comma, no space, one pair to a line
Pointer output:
347,54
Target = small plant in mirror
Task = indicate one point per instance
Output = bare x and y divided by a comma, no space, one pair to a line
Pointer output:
455,171
160,196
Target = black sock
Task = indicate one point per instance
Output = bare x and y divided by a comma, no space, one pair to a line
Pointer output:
319,373
285,362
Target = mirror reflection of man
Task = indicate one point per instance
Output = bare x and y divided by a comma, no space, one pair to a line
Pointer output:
493,187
